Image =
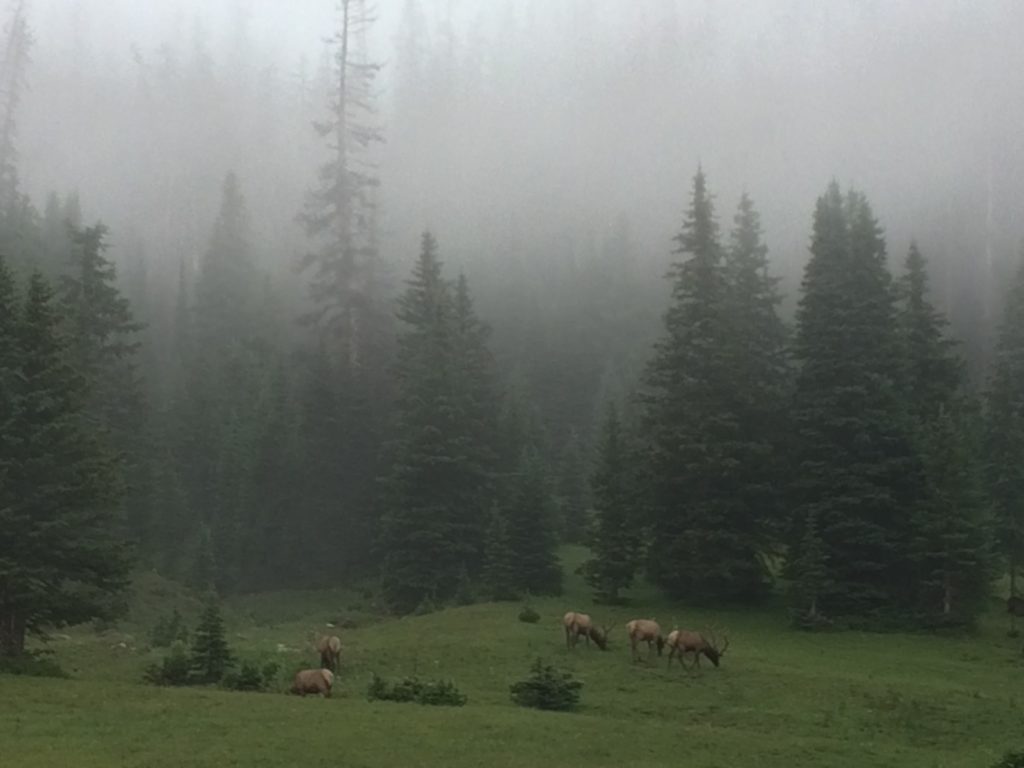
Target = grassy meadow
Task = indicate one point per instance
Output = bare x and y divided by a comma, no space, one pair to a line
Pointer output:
781,698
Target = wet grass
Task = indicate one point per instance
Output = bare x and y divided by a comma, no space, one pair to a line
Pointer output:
781,698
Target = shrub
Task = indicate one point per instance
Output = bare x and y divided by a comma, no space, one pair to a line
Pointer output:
31,664
438,693
168,630
250,678
528,615
175,669
1011,760
547,688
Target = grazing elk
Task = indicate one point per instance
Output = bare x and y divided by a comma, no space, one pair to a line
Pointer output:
1015,605
682,641
645,631
329,648
313,681
579,625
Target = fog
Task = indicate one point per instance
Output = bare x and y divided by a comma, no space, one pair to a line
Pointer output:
520,133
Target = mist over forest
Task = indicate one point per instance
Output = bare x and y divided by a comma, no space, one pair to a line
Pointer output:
299,293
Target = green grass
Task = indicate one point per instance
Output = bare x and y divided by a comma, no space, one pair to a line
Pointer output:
781,698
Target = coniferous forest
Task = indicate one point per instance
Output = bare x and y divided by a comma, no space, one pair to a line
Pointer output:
273,326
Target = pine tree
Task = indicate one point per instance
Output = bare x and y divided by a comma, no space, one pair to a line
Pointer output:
950,548
950,545
573,495
935,375
1004,441
500,561
615,540
210,658
855,470
704,542
757,343
63,558
17,42
424,536
530,527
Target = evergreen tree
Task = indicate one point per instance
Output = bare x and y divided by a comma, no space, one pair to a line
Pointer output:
210,658
950,546
530,527
1005,432
424,536
500,561
704,533
935,375
63,560
759,359
573,496
615,540
855,469
16,44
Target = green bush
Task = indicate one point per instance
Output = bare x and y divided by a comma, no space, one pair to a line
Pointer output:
1011,760
168,630
528,615
250,678
547,688
175,669
31,664
438,693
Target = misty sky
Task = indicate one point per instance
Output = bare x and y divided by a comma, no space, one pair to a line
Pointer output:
576,111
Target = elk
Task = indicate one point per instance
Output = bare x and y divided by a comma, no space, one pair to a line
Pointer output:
313,681
1015,605
682,641
580,625
329,647
645,631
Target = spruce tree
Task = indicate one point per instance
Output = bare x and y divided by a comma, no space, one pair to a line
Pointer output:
424,537
759,353
62,556
573,491
950,548
855,470
209,657
1004,440
704,533
615,539
530,526
500,566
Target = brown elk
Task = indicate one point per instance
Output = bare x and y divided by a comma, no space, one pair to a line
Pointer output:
579,625
313,681
645,631
683,641
329,648
1015,605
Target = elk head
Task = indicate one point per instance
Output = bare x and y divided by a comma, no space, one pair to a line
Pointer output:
600,636
714,649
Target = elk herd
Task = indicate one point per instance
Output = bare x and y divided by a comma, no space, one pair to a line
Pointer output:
320,681
679,642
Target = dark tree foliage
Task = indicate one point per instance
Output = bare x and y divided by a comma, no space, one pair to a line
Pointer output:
209,655
855,472
616,536
1005,432
950,547
443,452
530,526
573,492
62,557
500,560
706,530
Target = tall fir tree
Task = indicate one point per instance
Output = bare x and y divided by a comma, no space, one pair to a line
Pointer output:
855,471
63,556
1004,439
14,55
950,548
529,515
573,492
758,346
704,533
615,539
425,539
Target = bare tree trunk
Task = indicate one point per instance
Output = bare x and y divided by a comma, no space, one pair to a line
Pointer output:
947,595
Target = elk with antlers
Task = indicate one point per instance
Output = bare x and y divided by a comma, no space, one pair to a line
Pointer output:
682,641
645,631
579,625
